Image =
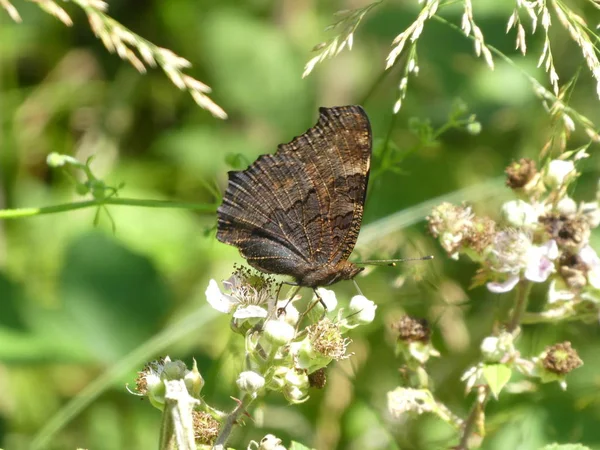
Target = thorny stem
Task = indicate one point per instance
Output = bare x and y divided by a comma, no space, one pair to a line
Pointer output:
231,420
522,297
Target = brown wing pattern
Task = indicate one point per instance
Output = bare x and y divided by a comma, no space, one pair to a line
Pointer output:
302,207
270,213
336,153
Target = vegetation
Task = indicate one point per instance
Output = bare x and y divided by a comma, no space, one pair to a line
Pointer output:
485,155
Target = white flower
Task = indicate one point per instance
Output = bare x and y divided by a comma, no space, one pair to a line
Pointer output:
363,309
499,287
328,298
221,302
558,171
509,251
536,261
519,213
247,294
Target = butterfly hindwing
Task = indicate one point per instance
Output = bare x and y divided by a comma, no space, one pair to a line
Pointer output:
337,154
298,212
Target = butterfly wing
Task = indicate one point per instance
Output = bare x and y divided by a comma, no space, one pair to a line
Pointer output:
302,207
336,154
268,212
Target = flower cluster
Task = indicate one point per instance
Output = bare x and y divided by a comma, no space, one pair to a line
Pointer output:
175,390
543,235
281,354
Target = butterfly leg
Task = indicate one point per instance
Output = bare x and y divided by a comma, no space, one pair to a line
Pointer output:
281,311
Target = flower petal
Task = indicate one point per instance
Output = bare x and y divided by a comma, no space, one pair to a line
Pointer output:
551,249
501,287
250,312
221,302
539,266
589,257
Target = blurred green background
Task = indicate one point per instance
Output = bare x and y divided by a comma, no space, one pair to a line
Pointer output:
75,299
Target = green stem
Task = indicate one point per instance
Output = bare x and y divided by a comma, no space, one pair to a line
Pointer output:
231,421
19,213
523,290
521,300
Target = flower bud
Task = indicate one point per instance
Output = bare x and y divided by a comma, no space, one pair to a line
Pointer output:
173,370
194,381
474,128
559,171
296,386
519,213
279,332
328,298
362,309
270,442
250,382
566,206
497,348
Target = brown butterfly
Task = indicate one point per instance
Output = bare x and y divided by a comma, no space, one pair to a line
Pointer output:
298,212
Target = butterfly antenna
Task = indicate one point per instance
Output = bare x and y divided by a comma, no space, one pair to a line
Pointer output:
391,262
357,288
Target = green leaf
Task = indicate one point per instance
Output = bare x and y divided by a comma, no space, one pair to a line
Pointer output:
496,375
565,447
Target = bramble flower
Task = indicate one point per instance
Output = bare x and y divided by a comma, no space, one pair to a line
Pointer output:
206,428
414,339
451,224
569,232
323,344
556,362
513,253
248,293
521,174
151,380
412,329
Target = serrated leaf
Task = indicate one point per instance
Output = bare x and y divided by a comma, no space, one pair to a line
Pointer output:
496,375
565,447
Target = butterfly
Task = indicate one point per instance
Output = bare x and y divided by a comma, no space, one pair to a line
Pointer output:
298,212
